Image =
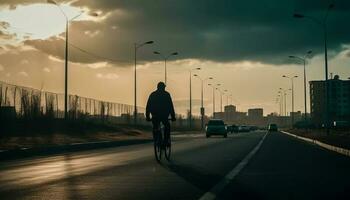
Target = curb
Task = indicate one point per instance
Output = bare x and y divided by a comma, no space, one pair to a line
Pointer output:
69,148
336,149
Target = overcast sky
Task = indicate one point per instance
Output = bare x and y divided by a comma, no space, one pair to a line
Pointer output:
244,45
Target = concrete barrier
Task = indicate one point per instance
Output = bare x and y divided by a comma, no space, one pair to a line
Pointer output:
336,149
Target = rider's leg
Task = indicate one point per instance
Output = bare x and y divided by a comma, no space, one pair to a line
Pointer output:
155,124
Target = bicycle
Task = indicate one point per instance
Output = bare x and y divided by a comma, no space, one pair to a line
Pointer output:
161,143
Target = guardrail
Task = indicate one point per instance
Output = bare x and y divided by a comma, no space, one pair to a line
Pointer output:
336,149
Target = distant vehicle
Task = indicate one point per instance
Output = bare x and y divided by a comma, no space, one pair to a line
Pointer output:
341,124
235,128
272,127
229,129
253,128
243,128
232,128
216,127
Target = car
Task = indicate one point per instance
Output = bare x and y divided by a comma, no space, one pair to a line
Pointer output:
254,128
231,128
234,128
243,128
272,127
216,127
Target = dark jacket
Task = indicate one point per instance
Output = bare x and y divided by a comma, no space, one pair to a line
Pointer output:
160,105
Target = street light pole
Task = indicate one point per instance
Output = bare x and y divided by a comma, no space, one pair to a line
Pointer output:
136,47
323,24
202,111
303,59
190,115
165,61
212,86
218,89
292,81
66,56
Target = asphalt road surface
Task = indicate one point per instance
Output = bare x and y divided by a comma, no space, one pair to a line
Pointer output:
283,168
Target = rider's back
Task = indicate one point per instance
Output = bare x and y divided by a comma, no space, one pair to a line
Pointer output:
160,104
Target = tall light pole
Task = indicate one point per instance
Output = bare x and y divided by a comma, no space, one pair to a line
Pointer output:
218,89
225,91
212,86
279,99
136,47
292,81
190,115
165,60
303,59
283,92
66,56
323,24
202,92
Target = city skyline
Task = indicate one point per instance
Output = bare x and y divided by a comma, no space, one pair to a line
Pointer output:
41,62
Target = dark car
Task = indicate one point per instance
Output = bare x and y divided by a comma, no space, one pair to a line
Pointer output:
216,127
272,128
243,128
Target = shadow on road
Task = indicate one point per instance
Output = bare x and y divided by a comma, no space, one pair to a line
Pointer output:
195,176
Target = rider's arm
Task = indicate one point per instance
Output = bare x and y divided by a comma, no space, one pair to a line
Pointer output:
148,107
172,110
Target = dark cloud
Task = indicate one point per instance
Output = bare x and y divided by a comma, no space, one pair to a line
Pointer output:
220,30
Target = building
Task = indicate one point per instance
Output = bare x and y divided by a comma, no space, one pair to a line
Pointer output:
339,100
230,115
255,113
230,108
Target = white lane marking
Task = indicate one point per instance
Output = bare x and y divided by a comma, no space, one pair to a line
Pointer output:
211,194
189,135
336,149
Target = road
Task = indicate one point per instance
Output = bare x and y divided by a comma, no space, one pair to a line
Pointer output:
283,168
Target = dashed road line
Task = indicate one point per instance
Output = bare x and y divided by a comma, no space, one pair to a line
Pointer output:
211,194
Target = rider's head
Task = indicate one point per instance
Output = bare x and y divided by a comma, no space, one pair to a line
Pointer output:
161,86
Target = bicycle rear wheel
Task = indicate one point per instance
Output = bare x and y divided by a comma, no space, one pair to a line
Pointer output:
157,142
167,148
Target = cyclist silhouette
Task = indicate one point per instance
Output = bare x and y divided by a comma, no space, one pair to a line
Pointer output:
160,106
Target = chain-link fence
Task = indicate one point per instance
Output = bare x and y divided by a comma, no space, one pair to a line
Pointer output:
29,103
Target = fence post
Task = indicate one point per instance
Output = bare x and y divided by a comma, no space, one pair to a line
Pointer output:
5,96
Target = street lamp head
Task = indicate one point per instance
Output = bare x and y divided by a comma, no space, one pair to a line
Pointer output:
309,52
175,53
51,2
297,15
156,52
149,42
291,56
